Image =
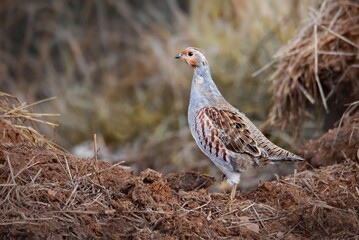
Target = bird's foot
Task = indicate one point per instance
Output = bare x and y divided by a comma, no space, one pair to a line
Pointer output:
233,192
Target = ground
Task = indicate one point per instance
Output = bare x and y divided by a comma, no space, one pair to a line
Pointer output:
48,193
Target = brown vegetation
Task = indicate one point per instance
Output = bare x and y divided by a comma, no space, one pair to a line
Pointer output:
318,70
336,145
46,193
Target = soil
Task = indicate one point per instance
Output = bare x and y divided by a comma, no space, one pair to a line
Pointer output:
336,145
48,193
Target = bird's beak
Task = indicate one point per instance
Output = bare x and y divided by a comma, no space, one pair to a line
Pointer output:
179,55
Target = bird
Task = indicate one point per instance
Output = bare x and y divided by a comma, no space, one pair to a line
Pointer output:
223,133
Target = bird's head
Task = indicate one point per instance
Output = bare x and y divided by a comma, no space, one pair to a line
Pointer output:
193,57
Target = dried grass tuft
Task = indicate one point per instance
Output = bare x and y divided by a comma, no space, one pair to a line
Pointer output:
19,117
318,70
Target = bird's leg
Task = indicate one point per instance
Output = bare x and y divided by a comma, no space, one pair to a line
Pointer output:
233,191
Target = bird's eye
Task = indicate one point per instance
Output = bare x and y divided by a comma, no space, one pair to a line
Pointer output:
190,54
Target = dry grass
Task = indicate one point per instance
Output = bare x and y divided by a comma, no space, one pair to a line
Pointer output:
24,121
49,193
318,70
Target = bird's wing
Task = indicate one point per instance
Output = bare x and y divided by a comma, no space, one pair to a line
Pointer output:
232,131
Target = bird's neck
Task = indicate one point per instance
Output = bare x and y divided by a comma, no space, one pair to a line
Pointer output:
204,91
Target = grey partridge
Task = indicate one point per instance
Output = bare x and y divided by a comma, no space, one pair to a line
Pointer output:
221,131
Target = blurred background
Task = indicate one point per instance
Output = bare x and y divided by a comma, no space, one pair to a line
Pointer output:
110,64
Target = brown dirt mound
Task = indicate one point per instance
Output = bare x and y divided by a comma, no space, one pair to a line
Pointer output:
46,193
336,145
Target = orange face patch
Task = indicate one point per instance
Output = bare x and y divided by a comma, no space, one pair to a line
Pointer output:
191,60
193,57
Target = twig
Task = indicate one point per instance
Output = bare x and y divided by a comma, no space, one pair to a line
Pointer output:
316,69
18,222
36,176
69,219
291,184
254,221
93,201
70,197
306,93
339,36
259,218
10,169
77,211
68,168
352,134
8,184
351,106
264,68
290,230
348,54
199,207
244,209
96,157
27,166
30,105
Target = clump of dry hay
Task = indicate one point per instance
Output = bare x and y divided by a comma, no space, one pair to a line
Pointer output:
319,67
22,121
